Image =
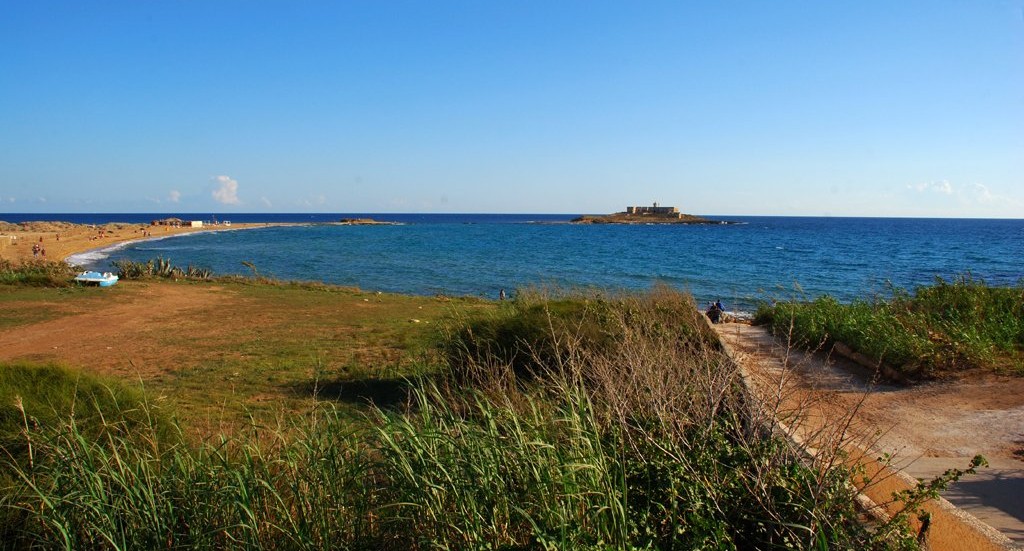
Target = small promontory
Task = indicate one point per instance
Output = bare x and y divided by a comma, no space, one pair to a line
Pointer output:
646,215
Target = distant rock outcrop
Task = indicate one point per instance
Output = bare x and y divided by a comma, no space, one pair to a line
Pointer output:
644,218
364,222
654,214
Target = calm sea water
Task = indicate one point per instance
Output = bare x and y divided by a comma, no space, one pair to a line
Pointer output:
761,258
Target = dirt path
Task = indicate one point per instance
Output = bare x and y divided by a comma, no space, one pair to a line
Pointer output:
927,428
117,338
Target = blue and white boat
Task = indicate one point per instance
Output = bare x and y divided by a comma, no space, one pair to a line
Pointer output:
106,279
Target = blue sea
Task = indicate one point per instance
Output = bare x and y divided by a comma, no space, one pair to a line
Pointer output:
757,259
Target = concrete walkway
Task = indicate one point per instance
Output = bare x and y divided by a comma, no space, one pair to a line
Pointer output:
926,428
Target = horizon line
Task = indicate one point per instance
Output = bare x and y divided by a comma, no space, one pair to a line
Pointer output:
256,213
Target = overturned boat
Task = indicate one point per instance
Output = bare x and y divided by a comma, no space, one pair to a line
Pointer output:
105,279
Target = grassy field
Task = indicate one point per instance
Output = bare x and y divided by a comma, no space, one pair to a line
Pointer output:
948,329
285,343
222,351
566,422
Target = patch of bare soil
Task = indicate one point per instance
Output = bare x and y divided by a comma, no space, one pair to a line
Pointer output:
927,428
114,339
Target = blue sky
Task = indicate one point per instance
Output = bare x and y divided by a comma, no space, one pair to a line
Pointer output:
776,108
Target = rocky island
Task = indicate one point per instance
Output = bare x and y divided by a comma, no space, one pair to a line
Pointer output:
646,215
364,222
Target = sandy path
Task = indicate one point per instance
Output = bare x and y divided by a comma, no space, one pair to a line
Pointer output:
928,428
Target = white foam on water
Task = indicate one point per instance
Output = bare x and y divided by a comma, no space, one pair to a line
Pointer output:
94,256
740,314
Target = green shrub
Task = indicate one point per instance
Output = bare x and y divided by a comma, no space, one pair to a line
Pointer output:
159,267
945,328
41,273
527,336
536,332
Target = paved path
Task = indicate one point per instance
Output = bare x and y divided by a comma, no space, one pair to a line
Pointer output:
927,428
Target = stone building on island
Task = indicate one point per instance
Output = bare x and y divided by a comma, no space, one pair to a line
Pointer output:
654,214
660,212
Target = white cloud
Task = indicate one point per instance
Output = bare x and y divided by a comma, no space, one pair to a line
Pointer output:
174,196
981,193
227,190
943,198
943,187
313,201
266,202
11,199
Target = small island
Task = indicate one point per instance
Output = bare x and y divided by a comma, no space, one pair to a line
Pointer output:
646,215
364,222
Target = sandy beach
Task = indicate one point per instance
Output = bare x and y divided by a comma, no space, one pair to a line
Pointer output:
60,240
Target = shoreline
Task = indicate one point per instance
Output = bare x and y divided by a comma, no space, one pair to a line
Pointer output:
67,241
196,231
72,258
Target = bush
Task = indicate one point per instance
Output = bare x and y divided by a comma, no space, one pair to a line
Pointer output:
159,267
527,336
536,332
36,272
943,329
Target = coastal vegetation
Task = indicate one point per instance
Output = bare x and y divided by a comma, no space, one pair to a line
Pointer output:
947,329
159,267
36,272
579,421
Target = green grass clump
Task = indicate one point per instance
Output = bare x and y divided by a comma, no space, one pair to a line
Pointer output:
943,329
638,440
538,330
37,401
39,396
528,334
36,272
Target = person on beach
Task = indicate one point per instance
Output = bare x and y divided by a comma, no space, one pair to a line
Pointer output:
501,294
714,313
